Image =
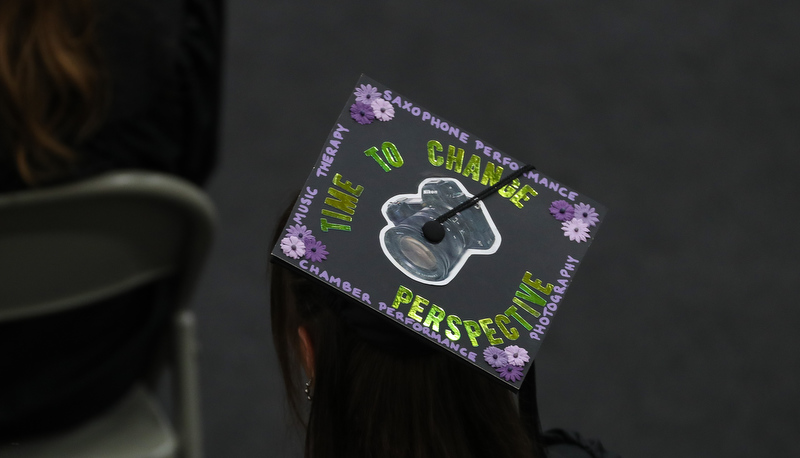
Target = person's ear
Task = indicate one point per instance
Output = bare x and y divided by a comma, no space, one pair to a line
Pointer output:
307,351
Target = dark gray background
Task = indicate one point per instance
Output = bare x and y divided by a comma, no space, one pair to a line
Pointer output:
678,336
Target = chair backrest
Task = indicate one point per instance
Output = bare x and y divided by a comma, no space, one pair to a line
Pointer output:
71,245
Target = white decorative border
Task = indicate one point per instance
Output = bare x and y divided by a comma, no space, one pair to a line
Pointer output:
469,252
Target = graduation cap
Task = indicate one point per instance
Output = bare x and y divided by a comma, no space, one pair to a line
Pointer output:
438,232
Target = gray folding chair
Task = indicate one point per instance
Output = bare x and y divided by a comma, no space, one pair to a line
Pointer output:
73,245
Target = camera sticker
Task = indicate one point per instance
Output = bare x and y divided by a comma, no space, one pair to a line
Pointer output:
469,232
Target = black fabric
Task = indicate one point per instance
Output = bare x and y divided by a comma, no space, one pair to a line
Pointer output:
163,59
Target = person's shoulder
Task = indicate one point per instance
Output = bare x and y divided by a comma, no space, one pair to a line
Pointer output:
560,443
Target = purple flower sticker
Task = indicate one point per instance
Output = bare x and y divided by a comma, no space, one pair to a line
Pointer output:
293,247
298,231
362,113
510,373
495,357
384,111
367,93
315,250
577,230
586,213
562,210
517,356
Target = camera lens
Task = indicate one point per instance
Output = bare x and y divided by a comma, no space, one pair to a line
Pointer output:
420,254
406,245
417,253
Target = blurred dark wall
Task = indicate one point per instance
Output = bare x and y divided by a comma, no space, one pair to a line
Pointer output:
678,338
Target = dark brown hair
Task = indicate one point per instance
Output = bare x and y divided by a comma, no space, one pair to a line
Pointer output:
52,84
370,401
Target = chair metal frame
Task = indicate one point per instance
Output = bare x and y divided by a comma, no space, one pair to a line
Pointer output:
72,245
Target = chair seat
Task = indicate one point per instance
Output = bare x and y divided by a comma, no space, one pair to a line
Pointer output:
134,428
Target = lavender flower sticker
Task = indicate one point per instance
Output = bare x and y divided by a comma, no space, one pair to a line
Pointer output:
517,356
384,111
315,250
562,210
296,230
510,373
495,357
587,214
362,113
577,230
366,94
293,247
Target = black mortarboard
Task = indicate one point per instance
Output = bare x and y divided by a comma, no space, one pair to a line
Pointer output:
485,279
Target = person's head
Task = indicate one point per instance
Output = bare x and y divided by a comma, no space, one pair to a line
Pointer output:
373,397
52,88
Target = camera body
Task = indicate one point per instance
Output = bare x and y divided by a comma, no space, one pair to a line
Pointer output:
469,232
